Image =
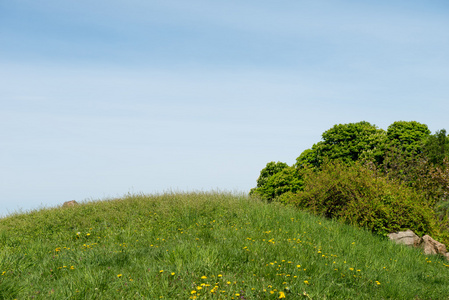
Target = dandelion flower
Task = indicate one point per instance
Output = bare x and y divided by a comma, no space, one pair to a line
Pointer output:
119,275
281,295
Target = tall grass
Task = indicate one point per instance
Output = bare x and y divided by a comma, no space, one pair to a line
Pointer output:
204,246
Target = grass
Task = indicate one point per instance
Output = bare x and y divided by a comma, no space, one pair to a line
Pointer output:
204,246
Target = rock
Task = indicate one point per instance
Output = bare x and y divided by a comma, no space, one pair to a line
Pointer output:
408,238
427,243
430,246
70,203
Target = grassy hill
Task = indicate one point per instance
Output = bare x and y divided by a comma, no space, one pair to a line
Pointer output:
204,246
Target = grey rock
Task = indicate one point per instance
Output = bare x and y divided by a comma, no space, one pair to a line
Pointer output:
408,238
430,246
426,243
70,203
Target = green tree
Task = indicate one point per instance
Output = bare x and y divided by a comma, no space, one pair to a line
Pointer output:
310,157
407,137
410,146
288,179
436,147
270,169
347,142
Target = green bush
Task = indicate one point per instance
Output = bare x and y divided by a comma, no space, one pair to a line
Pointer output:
289,179
270,169
407,136
436,147
360,196
347,142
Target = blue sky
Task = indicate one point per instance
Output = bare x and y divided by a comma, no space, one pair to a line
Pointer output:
103,98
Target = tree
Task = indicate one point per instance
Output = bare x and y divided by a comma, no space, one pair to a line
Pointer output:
405,153
436,147
405,159
287,180
270,169
346,142
310,157
408,137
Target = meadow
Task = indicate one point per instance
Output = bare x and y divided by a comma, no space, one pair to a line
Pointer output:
200,245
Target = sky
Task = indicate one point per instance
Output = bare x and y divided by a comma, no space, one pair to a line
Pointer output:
99,99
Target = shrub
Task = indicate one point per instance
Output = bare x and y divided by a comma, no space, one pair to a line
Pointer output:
289,179
270,169
359,196
347,142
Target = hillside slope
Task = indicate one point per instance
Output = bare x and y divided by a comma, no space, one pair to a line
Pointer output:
204,246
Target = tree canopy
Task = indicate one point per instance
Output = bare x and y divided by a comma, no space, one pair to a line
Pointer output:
401,152
412,164
347,142
407,136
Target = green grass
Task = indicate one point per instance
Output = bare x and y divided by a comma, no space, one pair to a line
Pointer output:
204,246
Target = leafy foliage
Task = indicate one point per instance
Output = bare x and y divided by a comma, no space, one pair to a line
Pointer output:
347,142
358,196
426,173
436,147
271,169
407,136
411,180
288,179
